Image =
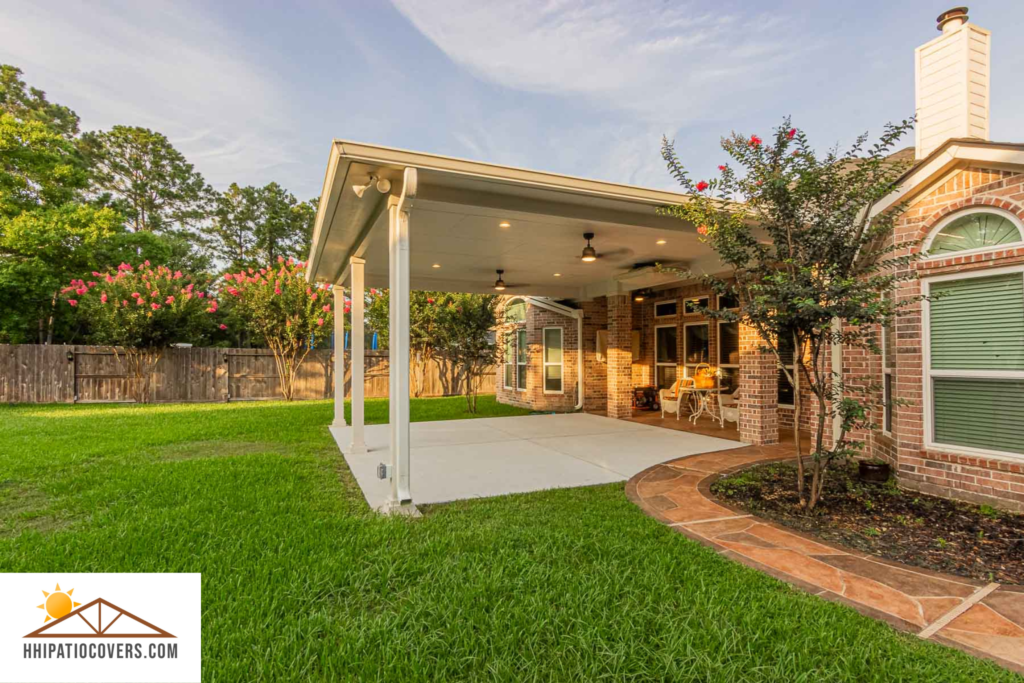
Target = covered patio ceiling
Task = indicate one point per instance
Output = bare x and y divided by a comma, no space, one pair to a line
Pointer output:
456,237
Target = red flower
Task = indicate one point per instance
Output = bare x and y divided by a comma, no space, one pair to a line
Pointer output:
791,134
154,306
223,326
202,294
72,302
702,229
701,186
430,301
755,141
721,167
277,290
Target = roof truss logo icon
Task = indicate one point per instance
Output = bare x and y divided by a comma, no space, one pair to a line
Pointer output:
92,621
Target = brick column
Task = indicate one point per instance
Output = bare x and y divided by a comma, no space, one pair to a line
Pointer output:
759,391
620,356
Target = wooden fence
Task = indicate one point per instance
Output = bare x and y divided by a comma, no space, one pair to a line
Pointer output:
92,374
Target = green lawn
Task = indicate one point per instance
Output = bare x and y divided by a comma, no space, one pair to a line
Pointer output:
302,582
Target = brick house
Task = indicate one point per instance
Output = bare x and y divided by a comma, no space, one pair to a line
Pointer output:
583,329
952,369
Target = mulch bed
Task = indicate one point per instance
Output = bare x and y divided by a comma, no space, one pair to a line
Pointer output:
909,527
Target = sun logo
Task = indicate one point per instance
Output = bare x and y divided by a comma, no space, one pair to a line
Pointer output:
58,603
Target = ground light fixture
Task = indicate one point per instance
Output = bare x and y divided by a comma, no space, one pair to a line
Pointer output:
499,284
589,253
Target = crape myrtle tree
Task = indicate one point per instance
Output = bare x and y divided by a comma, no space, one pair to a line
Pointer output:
140,311
283,311
807,262
453,330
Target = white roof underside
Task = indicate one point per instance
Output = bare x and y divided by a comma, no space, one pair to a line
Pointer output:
455,223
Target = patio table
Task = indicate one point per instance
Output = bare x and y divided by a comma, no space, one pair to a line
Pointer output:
701,397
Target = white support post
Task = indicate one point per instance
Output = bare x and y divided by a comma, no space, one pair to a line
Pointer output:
398,353
358,444
339,355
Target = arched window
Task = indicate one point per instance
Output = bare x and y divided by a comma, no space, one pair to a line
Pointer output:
975,230
515,311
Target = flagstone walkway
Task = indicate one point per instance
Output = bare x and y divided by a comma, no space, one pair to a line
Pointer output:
984,619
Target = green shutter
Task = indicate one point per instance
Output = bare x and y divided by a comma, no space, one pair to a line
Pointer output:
979,413
978,323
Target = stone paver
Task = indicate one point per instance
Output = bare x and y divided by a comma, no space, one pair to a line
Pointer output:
983,619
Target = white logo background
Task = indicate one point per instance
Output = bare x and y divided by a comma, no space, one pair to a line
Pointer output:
172,602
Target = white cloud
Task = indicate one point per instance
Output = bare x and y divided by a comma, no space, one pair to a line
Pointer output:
660,61
159,65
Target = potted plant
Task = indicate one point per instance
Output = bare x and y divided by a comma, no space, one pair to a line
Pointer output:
873,469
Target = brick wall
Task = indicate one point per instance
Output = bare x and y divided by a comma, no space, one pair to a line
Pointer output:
620,356
533,396
990,480
595,384
759,398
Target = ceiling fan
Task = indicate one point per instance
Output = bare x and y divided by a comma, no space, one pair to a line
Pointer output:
590,254
500,285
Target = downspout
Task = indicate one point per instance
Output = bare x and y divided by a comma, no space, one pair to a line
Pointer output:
578,315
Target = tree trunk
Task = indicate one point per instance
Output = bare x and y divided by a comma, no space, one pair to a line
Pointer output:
797,364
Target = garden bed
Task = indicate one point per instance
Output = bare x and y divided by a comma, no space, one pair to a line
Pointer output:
924,531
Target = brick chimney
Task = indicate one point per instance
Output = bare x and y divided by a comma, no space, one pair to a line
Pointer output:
952,83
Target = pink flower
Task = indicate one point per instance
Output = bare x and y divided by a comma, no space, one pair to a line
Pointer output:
135,295
177,275
223,326
155,292
320,322
287,323
702,229
791,134
202,294
327,308
139,301
314,296
124,302
95,274
277,290
72,302
759,183
146,262
154,305
291,261
103,298
754,141
227,277
308,291
280,259
701,186
170,300
81,290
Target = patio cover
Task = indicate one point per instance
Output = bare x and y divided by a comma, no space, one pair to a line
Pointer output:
413,221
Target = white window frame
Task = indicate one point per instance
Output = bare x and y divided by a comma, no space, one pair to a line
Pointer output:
687,366
670,364
666,301
928,373
545,363
510,358
705,297
941,225
526,356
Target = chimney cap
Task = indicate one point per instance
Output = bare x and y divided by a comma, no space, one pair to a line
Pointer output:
958,14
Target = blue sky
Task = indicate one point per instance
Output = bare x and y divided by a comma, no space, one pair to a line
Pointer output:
254,92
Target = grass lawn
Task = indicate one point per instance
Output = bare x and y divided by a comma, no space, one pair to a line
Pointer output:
564,585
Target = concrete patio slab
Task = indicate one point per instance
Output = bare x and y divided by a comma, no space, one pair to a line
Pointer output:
459,459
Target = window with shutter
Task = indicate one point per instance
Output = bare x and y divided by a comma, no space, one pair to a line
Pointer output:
975,372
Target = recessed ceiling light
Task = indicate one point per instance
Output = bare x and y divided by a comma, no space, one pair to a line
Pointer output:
436,265
504,224
558,275
661,242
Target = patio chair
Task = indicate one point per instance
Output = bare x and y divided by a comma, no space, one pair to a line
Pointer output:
673,399
729,407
